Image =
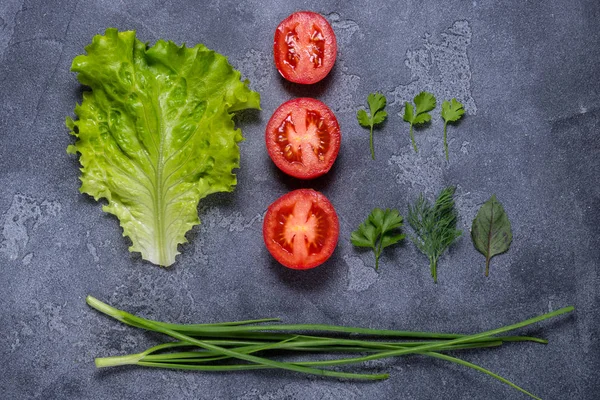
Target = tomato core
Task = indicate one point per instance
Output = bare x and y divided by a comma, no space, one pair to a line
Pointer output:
308,133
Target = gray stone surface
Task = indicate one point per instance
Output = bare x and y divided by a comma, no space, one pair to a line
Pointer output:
529,76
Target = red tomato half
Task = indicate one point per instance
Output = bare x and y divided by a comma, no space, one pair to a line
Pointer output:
304,47
301,229
303,138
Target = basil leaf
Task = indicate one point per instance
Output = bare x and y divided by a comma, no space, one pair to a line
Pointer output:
491,232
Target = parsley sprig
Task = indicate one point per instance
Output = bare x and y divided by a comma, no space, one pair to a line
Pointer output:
434,226
376,115
452,111
424,102
378,231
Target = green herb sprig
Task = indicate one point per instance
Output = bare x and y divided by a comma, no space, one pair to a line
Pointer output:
376,116
452,111
378,231
204,347
424,102
434,226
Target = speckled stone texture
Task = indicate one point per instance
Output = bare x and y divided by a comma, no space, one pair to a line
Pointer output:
529,76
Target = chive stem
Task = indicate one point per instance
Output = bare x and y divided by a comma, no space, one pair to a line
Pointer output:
242,339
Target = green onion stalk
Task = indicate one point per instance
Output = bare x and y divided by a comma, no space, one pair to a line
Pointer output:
252,344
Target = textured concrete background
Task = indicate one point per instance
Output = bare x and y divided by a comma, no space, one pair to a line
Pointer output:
529,76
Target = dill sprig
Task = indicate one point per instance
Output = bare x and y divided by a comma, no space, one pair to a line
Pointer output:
434,226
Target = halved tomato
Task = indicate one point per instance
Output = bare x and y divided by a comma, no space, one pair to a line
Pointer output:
303,138
304,47
301,229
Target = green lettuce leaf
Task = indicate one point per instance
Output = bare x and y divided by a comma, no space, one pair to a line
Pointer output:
155,134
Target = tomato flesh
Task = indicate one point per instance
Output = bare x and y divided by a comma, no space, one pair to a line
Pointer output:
303,138
301,229
304,47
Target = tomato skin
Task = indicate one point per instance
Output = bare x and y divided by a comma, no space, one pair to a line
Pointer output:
304,47
296,143
301,229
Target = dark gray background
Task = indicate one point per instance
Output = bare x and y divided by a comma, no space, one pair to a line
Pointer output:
529,76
